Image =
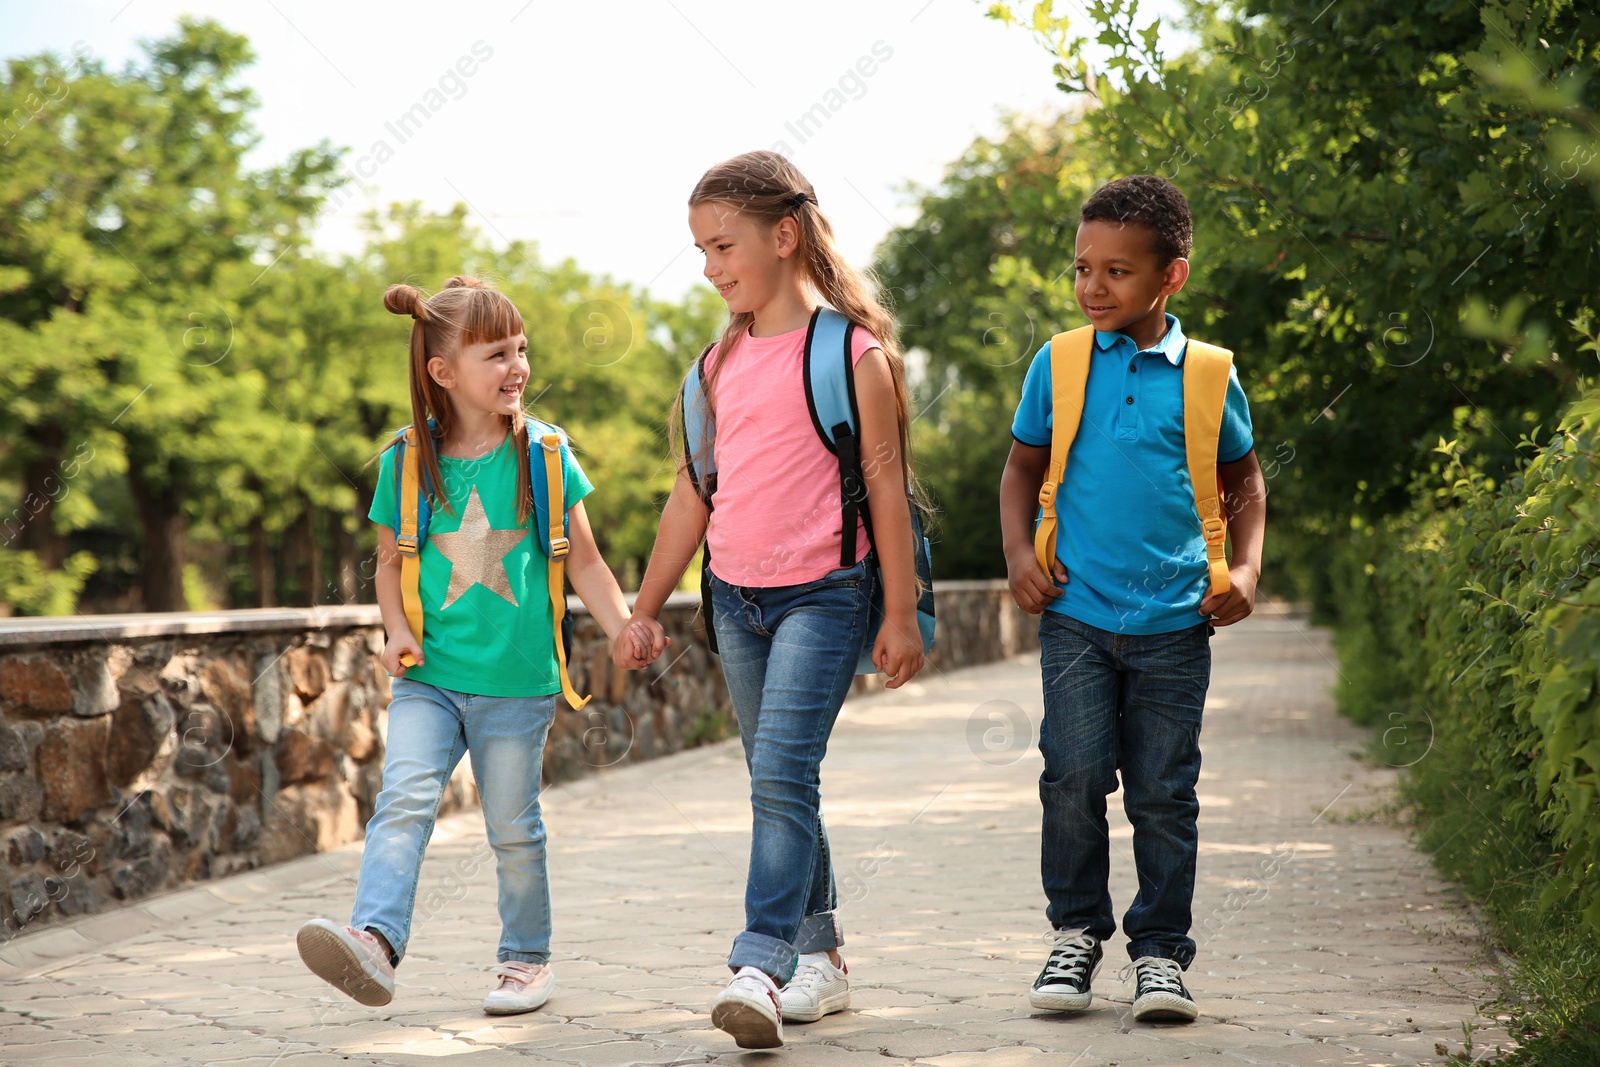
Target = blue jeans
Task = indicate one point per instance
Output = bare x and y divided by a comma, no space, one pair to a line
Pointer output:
429,730
1132,703
789,655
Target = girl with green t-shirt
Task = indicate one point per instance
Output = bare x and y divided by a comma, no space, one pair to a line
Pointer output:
485,678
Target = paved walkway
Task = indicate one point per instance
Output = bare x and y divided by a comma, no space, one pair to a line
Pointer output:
1326,939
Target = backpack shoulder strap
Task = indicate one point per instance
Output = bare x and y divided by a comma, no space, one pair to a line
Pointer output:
699,429
830,381
408,536
545,520
546,444
1069,377
1205,391
830,385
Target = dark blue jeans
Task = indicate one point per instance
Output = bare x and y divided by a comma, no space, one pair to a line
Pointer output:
1129,703
789,655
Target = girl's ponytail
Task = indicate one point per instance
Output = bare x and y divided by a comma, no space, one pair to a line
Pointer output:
466,311
768,188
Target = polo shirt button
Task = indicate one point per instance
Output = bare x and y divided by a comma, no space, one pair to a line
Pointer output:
1130,400
1133,368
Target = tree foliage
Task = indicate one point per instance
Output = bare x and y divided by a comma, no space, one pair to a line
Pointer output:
192,395
1375,193
1396,231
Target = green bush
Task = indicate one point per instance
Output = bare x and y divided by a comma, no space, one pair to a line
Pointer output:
1470,637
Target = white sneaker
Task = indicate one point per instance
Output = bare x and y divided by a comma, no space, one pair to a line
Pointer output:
352,961
523,987
818,988
750,1010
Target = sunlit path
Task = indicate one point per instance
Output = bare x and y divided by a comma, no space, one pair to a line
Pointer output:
1325,937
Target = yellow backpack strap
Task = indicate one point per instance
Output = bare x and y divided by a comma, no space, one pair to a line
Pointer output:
1205,391
406,542
1069,376
555,512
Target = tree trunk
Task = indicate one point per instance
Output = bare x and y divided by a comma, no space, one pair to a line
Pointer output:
295,562
165,531
316,591
44,484
346,552
261,569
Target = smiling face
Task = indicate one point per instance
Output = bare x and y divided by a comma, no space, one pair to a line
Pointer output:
487,376
746,261
1121,282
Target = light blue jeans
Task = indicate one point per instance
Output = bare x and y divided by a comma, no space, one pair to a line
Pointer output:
429,730
789,655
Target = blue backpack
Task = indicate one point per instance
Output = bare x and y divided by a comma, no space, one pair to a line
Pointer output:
829,375
547,473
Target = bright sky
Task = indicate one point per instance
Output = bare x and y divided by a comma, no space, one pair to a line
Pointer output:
583,126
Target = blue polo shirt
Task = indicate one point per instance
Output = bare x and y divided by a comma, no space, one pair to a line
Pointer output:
1126,525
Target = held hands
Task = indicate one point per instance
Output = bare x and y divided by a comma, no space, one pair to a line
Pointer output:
898,651
639,643
1237,603
1029,587
401,644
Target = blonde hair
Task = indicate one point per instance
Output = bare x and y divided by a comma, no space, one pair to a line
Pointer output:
766,187
465,312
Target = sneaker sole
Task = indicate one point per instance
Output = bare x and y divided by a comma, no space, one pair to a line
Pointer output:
1059,1001
495,1009
1164,1008
826,1006
748,1025
331,960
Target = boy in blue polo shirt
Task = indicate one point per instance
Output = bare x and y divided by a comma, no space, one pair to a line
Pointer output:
1127,621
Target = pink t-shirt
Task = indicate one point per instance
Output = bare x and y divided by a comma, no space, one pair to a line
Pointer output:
776,518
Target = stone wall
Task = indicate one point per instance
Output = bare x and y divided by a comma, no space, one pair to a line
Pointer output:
142,752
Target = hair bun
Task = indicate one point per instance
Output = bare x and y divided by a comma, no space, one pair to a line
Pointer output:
405,299
464,281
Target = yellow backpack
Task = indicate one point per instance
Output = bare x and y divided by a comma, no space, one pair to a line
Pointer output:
1205,390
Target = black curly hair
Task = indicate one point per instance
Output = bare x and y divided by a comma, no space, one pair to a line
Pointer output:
1149,201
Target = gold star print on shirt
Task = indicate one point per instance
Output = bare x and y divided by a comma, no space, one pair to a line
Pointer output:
477,552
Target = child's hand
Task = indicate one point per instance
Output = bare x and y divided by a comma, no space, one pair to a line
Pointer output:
1237,603
1029,587
639,643
401,644
898,652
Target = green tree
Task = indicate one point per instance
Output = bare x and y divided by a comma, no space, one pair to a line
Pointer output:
132,229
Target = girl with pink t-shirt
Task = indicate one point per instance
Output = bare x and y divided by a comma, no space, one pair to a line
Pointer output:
790,621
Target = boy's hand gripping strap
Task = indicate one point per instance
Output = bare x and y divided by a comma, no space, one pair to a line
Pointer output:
1069,377
1205,392
406,542
555,514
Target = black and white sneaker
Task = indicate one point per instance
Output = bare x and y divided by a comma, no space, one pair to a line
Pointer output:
1063,985
1160,996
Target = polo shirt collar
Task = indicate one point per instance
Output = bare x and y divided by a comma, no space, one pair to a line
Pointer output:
1172,345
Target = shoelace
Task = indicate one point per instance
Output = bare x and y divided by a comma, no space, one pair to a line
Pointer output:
515,973
811,977
1073,952
1156,974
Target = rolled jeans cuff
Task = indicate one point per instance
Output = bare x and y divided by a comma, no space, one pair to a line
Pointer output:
770,955
524,957
819,932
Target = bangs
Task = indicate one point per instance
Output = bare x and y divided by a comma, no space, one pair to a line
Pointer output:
488,316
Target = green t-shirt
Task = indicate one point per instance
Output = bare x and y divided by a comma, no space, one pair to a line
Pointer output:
488,628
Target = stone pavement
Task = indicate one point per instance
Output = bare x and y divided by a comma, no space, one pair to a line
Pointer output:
1325,937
